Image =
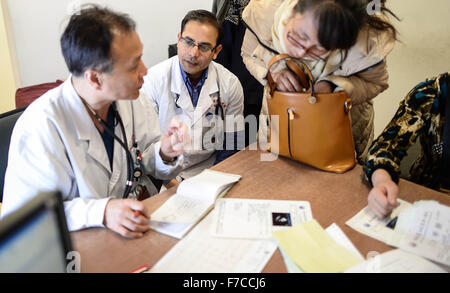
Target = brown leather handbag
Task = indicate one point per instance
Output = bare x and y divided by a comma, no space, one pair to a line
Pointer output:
314,129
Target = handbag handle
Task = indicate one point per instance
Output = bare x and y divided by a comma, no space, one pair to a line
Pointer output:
296,66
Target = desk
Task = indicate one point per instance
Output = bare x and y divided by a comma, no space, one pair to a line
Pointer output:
334,198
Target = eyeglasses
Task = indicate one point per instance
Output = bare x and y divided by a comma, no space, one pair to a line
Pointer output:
312,52
191,43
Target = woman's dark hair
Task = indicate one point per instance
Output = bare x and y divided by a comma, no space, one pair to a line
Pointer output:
339,21
86,41
203,16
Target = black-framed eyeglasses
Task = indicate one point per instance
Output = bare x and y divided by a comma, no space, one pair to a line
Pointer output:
205,48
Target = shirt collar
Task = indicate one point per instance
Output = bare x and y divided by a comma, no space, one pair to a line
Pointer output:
188,82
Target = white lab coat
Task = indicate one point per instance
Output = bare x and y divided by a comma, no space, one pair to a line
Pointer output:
56,146
164,85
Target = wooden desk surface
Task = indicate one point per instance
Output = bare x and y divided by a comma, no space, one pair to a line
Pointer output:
334,198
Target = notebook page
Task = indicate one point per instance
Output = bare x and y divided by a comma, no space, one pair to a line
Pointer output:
207,185
180,209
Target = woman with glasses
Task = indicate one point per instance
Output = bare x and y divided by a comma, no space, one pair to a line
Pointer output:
343,42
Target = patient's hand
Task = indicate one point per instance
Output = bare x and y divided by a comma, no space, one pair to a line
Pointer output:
286,81
323,87
383,196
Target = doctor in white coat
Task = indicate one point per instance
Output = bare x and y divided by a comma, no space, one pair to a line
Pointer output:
200,93
75,138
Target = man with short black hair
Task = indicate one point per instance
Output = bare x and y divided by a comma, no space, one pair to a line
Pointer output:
201,93
94,137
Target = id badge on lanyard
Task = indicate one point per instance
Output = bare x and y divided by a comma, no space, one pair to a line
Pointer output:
142,187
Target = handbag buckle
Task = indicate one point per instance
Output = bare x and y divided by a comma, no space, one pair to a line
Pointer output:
291,113
348,106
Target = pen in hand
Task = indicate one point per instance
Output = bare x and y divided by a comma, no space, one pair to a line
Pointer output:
137,213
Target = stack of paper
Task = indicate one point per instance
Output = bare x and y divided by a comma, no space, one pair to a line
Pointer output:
337,235
396,261
424,229
199,252
366,222
313,250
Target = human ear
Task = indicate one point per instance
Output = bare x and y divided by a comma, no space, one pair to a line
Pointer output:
178,41
217,51
93,77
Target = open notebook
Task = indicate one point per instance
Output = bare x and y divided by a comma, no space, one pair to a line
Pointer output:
195,197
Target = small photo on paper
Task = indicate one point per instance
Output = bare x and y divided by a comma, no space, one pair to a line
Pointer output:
281,219
391,224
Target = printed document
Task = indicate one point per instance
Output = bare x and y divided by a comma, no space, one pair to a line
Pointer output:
199,252
195,197
396,261
340,238
256,218
366,222
424,229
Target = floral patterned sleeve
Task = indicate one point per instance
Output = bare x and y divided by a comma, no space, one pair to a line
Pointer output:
391,146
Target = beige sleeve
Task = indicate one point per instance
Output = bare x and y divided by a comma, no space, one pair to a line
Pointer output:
255,57
363,86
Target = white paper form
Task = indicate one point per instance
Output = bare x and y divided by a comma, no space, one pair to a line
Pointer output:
396,261
366,222
199,252
424,229
255,218
340,238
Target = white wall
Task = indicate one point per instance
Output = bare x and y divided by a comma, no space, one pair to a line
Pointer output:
425,52
38,24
